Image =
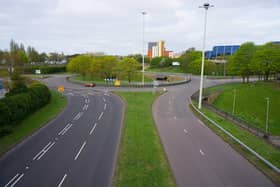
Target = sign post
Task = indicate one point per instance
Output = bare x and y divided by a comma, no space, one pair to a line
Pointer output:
60,89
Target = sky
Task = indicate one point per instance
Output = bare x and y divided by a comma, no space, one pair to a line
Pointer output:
116,26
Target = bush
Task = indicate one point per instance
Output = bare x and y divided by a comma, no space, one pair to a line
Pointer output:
15,108
45,69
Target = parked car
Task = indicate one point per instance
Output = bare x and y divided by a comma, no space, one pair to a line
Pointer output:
161,77
90,85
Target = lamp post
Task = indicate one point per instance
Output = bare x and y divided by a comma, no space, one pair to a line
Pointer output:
267,111
206,6
143,45
234,99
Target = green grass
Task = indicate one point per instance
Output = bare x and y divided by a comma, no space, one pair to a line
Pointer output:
259,145
251,103
142,159
33,122
136,78
166,69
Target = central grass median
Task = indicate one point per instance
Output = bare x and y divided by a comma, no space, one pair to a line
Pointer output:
142,160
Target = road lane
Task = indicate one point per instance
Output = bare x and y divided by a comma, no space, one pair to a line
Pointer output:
198,157
69,151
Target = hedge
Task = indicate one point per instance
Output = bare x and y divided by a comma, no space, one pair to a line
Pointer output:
15,108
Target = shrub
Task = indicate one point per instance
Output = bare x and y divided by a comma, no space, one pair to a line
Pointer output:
15,108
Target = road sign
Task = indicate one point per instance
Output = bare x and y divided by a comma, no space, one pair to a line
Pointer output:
37,71
60,89
117,82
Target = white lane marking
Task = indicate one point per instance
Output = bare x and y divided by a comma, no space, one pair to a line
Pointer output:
200,122
85,107
12,180
185,131
45,151
175,117
62,180
65,129
105,106
76,157
88,100
93,128
100,116
78,116
106,94
17,179
26,167
104,99
201,152
35,157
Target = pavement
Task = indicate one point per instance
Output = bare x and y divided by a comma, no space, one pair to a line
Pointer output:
198,157
78,148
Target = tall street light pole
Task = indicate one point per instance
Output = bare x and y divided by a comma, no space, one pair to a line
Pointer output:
143,46
206,6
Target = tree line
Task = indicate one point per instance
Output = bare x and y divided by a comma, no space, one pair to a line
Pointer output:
17,57
262,61
104,67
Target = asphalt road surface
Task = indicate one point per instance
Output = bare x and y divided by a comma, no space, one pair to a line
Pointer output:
78,148
198,157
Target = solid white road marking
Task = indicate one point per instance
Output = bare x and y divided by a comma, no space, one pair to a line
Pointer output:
105,106
63,131
35,157
45,151
93,128
12,180
62,180
17,179
185,131
100,116
76,157
201,152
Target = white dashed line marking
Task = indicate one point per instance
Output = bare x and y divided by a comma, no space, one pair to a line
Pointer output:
93,128
100,116
63,131
104,99
43,151
14,180
62,180
185,131
76,157
105,106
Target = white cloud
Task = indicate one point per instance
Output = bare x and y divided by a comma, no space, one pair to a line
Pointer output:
115,26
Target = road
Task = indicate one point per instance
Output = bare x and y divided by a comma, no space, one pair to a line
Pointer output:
78,148
198,157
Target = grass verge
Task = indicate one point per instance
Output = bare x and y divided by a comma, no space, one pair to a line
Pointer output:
141,160
267,151
251,103
33,122
166,69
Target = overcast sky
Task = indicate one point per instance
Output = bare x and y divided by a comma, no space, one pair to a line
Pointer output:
115,26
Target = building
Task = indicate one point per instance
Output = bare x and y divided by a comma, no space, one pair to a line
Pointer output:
157,49
221,51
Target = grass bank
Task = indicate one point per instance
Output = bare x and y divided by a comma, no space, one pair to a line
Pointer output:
251,103
33,122
267,151
142,160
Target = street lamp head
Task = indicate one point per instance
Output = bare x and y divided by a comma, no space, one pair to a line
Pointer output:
206,6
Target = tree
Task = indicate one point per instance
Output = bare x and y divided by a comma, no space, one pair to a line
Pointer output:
188,57
239,63
195,67
128,67
80,64
267,60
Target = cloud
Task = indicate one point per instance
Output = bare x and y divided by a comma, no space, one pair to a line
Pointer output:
115,27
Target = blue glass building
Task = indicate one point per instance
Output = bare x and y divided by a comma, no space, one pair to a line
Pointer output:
221,51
